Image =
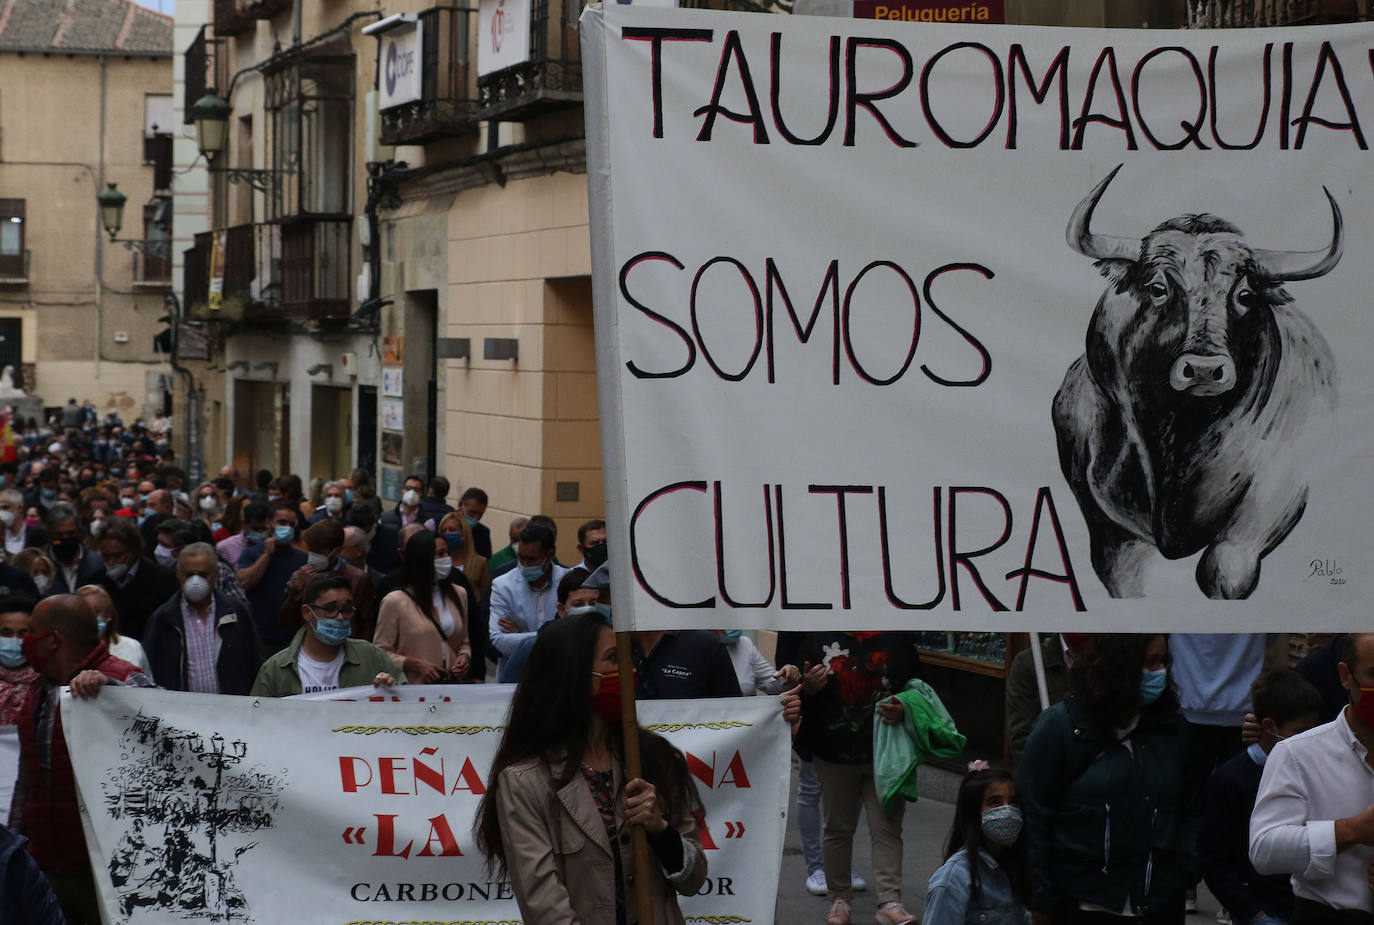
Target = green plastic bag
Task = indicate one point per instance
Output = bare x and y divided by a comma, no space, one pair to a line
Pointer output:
899,749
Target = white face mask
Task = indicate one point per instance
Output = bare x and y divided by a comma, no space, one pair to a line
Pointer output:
42,583
207,503
333,504
196,589
318,561
164,556
7,518
442,567
126,502
97,527
410,497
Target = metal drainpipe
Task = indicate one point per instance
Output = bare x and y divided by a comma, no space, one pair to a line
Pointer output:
99,244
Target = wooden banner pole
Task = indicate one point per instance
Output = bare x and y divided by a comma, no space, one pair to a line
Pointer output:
629,719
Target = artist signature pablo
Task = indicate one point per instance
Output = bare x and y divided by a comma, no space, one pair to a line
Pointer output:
1325,568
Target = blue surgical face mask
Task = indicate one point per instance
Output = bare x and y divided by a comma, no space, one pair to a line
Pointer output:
332,632
255,537
472,522
585,609
12,651
730,637
531,573
605,611
348,493
100,624
1152,684
284,534
454,540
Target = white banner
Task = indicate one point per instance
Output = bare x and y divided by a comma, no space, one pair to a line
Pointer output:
503,34
859,363
211,809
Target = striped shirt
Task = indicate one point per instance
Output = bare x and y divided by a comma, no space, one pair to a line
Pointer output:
202,648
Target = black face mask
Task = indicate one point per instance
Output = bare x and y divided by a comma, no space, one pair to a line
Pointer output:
595,556
66,549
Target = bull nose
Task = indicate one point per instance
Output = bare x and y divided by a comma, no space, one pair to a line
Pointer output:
1201,374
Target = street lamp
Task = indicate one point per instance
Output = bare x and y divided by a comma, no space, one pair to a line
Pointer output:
111,209
211,114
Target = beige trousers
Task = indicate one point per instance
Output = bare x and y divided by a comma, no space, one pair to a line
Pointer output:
845,789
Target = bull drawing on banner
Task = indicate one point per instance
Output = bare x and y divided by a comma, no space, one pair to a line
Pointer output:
1183,426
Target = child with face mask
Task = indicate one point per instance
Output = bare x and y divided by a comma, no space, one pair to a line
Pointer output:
984,877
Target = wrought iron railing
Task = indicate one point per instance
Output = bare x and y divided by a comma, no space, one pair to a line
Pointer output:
550,79
448,104
196,273
314,269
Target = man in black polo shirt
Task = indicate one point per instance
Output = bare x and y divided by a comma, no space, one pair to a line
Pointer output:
674,664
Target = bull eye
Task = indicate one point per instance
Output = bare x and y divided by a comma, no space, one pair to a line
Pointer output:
1246,297
1157,290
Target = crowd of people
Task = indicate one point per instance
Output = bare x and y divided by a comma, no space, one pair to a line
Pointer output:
1146,764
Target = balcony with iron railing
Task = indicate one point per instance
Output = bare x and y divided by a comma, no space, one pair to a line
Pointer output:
14,269
249,281
315,269
552,76
1224,14
448,103
235,16
195,274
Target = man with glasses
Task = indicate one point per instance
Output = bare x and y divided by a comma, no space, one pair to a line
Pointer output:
201,640
322,656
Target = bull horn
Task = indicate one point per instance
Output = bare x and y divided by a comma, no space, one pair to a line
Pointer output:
1297,265
1098,246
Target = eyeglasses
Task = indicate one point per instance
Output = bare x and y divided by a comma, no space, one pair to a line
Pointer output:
334,612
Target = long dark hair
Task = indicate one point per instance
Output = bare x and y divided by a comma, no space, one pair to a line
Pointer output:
417,570
967,833
1106,678
550,719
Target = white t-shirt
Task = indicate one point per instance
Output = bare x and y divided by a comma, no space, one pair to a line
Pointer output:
319,676
441,607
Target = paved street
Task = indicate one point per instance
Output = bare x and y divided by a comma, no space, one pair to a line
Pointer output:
925,829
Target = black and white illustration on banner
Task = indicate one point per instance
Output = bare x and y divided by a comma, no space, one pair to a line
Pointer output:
179,855
1184,426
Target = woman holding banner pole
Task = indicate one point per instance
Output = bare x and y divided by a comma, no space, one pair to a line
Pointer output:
558,813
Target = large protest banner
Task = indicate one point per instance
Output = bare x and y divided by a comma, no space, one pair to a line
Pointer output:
982,327
233,809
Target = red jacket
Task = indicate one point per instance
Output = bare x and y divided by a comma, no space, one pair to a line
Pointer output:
47,801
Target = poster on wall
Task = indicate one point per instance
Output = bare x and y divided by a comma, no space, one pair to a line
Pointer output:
393,349
392,382
1069,327
391,447
503,35
393,414
391,483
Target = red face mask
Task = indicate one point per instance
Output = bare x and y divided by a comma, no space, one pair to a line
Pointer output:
39,662
1364,709
606,700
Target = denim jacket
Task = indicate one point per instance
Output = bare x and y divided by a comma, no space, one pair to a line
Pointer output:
947,899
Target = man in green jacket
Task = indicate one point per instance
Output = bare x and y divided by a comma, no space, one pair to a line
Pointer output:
322,657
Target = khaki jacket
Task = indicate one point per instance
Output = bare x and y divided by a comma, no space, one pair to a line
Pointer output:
405,631
559,856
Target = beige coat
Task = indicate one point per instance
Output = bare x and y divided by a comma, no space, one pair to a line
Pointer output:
559,856
405,631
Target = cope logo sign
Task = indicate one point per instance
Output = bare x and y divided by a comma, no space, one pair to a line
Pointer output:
400,66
